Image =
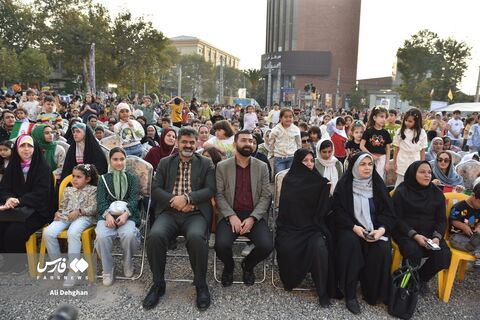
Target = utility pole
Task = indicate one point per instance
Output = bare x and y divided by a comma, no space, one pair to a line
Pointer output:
179,88
279,74
221,81
477,93
337,96
269,84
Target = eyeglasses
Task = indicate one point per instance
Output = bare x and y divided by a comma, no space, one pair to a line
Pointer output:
306,141
446,160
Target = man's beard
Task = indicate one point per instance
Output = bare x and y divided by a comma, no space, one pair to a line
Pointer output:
187,152
246,151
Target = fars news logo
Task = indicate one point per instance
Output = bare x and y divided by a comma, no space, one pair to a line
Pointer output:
59,266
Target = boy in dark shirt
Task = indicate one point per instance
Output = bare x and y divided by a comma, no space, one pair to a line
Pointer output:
465,224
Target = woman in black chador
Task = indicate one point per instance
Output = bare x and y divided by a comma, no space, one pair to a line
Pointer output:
420,207
84,149
364,217
303,242
26,200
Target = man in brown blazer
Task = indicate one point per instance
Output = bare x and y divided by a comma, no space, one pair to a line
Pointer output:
243,198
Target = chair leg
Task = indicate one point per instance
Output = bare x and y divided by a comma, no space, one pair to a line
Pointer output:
462,268
31,248
449,279
43,250
441,277
87,252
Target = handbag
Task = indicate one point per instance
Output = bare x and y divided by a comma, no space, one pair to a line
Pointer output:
117,207
20,214
404,292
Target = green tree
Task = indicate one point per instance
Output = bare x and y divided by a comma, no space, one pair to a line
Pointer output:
428,62
34,66
254,77
8,65
17,25
198,77
139,53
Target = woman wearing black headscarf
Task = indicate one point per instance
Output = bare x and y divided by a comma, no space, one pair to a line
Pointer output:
27,197
361,203
84,149
151,136
166,148
303,242
420,207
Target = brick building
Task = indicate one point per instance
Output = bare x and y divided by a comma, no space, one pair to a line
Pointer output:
191,45
312,41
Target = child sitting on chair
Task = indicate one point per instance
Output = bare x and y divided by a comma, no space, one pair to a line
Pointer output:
465,222
118,215
77,212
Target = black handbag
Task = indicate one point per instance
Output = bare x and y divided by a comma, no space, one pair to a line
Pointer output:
404,292
16,214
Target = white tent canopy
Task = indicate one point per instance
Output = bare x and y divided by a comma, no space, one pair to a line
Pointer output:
463,107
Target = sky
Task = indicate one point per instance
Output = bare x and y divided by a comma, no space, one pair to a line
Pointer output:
238,27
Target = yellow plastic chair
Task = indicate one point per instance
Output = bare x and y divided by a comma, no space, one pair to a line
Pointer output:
459,257
87,236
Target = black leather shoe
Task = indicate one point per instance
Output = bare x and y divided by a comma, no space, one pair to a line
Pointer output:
203,298
227,278
353,306
248,275
153,296
324,301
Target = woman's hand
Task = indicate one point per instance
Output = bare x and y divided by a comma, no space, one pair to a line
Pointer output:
421,240
12,203
436,182
376,234
359,231
122,219
459,189
109,221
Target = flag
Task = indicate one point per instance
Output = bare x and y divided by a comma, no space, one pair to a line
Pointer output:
450,94
432,92
21,127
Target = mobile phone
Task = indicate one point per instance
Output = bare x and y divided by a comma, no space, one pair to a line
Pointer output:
432,245
367,235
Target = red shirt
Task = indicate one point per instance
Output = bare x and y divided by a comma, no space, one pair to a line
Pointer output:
339,145
243,200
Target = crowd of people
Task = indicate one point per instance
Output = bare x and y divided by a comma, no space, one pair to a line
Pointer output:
336,218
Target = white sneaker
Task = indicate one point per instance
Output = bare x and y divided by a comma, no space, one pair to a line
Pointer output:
128,268
248,248
108,278
71,280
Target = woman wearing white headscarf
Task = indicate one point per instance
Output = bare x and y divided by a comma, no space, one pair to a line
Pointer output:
364,216
436,146
327,165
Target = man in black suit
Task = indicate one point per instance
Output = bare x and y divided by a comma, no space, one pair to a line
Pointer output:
182,188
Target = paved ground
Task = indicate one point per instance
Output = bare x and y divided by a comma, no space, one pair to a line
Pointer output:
19,299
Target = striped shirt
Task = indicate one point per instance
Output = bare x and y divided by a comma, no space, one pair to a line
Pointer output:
183,182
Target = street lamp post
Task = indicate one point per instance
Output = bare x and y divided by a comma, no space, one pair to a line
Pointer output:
179,89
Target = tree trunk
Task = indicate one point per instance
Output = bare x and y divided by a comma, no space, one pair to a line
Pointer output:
85,74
